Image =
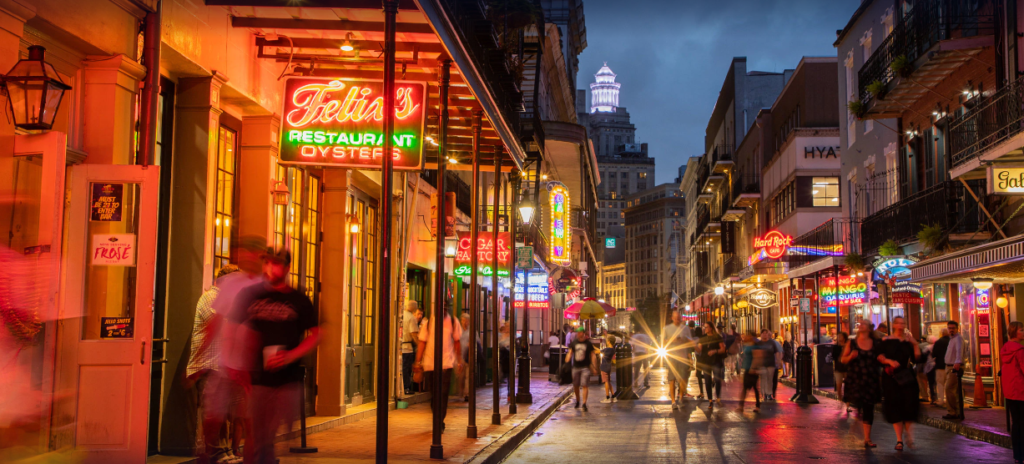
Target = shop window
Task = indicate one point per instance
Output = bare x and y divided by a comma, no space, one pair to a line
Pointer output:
825,191
224,208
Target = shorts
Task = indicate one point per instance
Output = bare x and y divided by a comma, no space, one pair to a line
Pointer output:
678,368
606,377
224,397
580,376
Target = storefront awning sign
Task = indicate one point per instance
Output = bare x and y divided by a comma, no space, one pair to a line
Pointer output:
845,291
485,253
339,122
762,298
890,267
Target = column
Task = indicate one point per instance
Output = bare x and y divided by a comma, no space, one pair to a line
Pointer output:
108,99
258,146
334,290
189,265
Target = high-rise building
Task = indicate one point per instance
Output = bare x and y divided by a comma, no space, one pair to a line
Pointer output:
654,243
624,164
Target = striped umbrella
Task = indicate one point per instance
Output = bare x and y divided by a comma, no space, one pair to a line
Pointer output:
588,308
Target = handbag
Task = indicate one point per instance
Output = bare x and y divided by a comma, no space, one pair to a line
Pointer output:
902,375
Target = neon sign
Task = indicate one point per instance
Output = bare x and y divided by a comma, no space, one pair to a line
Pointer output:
982,301
847,291
339,122
534,286
773,245
561,231
484,253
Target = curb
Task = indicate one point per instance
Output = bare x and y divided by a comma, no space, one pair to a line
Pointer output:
961,429
503,446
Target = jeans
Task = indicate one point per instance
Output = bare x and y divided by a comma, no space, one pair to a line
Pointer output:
767,374
714,378
407,360
446,385
271,407
1016,410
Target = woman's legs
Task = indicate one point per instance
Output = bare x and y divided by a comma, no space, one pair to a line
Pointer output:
1016,409
867,417
898,427
708,382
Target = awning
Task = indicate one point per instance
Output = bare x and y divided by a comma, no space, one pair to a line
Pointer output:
1001,260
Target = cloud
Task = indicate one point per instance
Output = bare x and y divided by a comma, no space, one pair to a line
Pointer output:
672,56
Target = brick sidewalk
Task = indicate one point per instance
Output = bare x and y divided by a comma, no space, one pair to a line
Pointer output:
410,430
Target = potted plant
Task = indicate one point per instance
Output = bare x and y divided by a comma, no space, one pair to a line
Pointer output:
857,108
889,248
900,66
876,89
854,262
930,236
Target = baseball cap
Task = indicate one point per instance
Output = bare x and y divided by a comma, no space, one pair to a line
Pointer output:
581,329
280,255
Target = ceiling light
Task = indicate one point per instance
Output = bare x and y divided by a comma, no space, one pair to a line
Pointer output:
346,46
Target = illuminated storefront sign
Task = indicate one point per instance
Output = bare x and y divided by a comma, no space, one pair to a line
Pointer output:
773,245
534,286
906,292
1006,180
982,302
609,242
561,231
893,267
339,122
485,253
847,291
762,298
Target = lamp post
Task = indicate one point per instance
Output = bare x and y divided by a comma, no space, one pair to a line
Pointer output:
524,362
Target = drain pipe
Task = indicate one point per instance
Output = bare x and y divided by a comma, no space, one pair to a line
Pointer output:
150,89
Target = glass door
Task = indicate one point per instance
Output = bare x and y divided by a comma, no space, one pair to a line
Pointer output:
362,299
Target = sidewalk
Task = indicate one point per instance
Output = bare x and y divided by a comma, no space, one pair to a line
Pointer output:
410,430
987,425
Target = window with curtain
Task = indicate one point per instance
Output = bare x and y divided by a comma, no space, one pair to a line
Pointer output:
825,191
224,207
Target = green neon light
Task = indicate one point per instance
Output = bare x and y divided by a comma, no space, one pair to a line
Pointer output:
465,270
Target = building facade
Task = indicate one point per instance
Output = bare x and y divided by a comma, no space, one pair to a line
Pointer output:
653,236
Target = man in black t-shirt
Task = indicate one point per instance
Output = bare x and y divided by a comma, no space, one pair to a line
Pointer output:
584,363
280,327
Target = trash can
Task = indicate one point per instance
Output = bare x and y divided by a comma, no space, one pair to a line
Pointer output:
823,376
556,357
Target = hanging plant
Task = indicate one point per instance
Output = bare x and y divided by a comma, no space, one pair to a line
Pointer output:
930,236
876,89
854,262
857,108
900,66
889,248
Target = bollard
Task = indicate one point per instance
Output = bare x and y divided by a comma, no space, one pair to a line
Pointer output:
624,359
803,377
525,370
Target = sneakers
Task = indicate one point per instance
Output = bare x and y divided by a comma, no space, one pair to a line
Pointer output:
229,458
718,401
606,401
675,407
585,408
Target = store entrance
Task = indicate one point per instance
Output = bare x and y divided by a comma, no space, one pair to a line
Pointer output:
362,300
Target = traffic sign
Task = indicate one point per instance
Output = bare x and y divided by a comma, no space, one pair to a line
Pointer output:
524,257
805,305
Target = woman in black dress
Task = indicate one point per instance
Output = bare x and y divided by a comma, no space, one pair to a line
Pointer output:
861,387
899,384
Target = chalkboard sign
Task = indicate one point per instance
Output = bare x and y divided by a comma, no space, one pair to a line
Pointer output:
116,327
823,376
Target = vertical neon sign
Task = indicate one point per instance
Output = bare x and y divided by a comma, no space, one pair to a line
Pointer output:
561,231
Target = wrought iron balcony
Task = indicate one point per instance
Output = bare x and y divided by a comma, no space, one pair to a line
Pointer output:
835,237
912,49
746,190
992,121
721,159
946,204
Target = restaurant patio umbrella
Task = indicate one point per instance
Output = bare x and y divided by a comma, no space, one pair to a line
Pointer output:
588,308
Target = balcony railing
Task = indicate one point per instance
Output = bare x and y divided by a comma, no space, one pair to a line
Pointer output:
745,184
836,237
721,152
703,219
990,122
945,204
928,23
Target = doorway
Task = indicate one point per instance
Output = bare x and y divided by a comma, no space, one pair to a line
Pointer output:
362,303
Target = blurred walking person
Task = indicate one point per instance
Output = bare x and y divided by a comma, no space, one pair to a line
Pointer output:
451,339
1012,358
787,355
899,384
281,325
768,365
204,362
607,357
584,363
939,354
462,374
710,360
642,345
924,367
752,357
954,373
838,366
861,387
674,339
410,336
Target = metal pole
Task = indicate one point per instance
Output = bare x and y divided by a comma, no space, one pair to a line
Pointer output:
817,312
524,361
151,93
513,347
384,266
440,279
495,362
474,297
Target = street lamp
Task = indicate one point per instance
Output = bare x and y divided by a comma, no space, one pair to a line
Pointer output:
982,283
526,210
34,91
450,245
719,290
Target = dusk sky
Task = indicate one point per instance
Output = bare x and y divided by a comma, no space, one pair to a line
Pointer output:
672,56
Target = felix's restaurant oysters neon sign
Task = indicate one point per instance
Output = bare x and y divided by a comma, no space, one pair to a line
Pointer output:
340,122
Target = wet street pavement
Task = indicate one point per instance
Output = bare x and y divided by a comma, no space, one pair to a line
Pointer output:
648,431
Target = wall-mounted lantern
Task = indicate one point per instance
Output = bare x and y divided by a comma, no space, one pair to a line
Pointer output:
34,91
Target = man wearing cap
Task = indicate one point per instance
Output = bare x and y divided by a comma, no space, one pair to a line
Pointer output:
280,327
583,357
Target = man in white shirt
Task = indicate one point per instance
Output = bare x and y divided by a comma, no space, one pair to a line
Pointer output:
954,373
676,340
410,337
450,337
